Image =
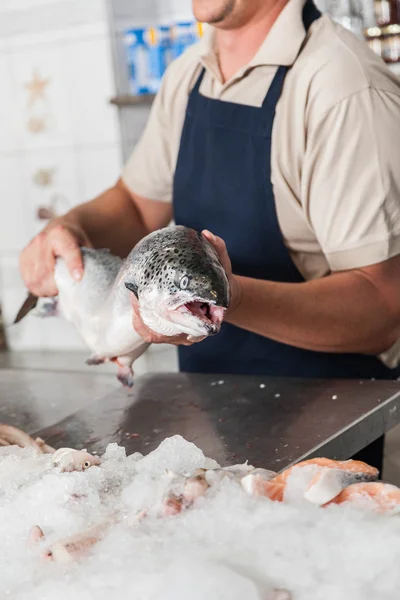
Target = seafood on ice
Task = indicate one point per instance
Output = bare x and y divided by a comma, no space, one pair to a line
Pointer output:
377,495
11,436
72,547
82,513
69,459
322,482
324,479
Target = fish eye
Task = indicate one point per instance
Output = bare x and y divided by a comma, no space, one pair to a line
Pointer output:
184,282
86,464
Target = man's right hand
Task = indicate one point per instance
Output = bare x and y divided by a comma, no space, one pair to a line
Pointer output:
37,260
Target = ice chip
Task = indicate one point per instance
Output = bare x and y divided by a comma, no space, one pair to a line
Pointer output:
114,452
176,454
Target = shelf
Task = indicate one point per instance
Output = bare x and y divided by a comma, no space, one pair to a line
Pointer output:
133,100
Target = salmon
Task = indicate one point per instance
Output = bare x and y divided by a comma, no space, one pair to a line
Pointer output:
384,496
330,478
355,467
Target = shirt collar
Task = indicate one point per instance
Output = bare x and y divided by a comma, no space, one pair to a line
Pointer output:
281,46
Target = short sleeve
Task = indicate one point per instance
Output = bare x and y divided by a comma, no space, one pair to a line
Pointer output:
149,170
351,179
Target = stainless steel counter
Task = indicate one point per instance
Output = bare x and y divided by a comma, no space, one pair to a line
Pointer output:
270,422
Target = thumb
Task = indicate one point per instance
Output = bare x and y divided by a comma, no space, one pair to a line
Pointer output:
220,248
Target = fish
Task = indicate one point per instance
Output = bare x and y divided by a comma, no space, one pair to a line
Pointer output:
69,459
12,436
183,491
261,482
177,278
72,547
360,470
35,536
377,496
326,479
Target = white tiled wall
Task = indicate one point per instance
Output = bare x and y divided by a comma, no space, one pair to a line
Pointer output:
14,226
60,141
63,192
62,130
98,167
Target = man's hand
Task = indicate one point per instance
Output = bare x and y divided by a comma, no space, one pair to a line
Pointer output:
183,340
37,260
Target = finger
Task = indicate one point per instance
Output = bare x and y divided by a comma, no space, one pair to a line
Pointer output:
65,244
141,329
44,284
139,326
220,248
216,241
135,304
137,319
37,269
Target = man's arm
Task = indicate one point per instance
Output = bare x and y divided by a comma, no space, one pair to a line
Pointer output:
350,196
356,311
118,219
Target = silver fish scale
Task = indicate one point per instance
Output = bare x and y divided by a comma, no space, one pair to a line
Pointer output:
101,267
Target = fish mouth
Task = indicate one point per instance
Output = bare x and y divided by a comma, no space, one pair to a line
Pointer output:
210,315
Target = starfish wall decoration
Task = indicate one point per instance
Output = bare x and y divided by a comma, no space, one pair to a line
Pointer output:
36,87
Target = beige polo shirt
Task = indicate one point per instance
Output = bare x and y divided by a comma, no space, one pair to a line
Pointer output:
335,158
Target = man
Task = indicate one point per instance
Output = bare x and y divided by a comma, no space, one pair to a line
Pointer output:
277,132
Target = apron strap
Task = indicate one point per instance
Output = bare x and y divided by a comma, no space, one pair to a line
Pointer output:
197,85
275,89
310,14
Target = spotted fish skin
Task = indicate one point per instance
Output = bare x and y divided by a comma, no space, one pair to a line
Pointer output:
176,259
177,278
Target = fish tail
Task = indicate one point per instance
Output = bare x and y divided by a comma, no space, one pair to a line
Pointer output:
29,304
39,307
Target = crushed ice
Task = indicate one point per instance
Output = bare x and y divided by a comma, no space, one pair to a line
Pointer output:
228,546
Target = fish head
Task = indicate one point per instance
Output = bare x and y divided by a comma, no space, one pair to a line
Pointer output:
57,553
87,460
179,282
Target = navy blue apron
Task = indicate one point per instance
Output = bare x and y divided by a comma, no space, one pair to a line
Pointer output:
223,183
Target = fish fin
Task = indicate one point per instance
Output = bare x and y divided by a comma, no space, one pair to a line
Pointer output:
40,307
44,447
95,360
35,535
47,307
125,376
29,304
125,372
